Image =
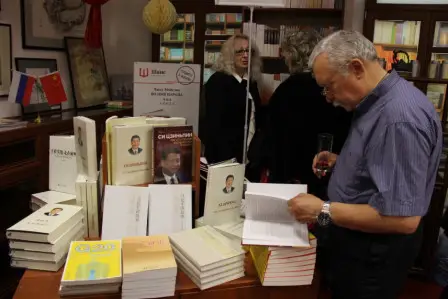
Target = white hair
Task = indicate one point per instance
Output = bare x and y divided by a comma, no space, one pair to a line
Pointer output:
342,47
226,61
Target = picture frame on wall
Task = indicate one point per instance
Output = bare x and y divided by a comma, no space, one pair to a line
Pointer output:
88,72
5,59
46,23
37,67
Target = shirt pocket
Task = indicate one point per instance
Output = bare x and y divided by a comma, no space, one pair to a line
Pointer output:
350,168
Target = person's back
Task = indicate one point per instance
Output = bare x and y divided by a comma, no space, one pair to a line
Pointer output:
298,113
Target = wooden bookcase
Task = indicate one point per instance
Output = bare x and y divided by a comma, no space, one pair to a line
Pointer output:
426,45
213,24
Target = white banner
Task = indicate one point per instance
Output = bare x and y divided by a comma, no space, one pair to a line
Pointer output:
167,89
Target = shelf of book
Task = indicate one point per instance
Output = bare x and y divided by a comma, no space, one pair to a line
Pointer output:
196,173
177,45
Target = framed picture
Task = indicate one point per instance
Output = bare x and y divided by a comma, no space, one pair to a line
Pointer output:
5,58
46,23
88,73
37,67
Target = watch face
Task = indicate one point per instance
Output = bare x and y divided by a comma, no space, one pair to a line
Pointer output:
323,219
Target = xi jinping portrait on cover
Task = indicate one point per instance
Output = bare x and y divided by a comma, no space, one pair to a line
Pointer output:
169,169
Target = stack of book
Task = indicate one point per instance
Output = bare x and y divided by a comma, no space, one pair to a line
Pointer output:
285,266
149,267
41,240
92,267
38,200
208,257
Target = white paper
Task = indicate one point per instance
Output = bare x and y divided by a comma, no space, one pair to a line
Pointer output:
268,221
125,212
170,209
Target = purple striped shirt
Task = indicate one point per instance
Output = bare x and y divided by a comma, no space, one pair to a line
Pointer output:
392,153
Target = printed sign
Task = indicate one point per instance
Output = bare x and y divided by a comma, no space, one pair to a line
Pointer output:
167,89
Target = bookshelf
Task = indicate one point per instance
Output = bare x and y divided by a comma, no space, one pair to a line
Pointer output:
422,32
212,25
177,45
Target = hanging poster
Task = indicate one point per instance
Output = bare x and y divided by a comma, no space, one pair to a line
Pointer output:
167,89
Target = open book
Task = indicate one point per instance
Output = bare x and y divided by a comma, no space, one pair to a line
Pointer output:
268,221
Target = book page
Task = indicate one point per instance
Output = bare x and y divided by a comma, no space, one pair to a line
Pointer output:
275,234
267,208
279,190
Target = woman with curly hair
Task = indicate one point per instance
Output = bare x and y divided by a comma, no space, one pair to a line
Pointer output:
298,113
225,104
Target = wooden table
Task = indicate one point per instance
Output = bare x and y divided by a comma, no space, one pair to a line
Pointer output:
41,284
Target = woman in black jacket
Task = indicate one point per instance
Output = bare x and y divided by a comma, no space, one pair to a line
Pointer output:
225,105
298,113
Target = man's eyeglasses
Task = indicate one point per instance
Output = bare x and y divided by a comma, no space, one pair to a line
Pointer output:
325,91
244,51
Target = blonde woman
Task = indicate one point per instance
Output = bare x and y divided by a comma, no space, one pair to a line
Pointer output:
225,103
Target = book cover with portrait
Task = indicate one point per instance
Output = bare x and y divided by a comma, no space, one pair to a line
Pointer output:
132,154
223,194
173,155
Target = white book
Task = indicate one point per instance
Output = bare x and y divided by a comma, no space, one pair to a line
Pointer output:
125,212
223,193
62,164
38,265
92,208
166,121
81,201
72,234
268,221
206,248
110,123
46,224
85,144
50,197
170,209
132,154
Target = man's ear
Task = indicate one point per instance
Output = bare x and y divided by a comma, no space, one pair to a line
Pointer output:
356,66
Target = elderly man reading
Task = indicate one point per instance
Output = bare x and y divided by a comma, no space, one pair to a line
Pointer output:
384,177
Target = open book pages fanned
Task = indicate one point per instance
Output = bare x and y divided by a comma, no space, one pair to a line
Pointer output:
149,267
224,193
285,266
207,257
85,144
268,221
45,225
62,164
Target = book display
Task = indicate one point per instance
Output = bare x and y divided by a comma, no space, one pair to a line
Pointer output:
416,36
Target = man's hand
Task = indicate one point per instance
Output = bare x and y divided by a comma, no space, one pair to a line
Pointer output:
330,160
305,207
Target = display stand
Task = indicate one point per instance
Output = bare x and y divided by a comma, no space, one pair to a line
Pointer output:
196,167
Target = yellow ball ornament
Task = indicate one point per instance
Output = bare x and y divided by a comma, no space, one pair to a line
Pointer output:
159,16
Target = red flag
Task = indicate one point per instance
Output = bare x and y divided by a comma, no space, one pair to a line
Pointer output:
53,88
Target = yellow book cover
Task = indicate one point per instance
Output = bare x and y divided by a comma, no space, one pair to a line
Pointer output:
147,253
93,261
260,256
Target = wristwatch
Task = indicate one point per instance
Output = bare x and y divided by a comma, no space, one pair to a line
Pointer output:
324,218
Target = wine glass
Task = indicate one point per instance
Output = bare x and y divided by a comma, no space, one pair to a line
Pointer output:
324,148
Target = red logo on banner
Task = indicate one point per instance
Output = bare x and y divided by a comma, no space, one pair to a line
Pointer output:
144,72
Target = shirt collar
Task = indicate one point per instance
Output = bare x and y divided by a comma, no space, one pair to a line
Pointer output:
377,94
238,77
